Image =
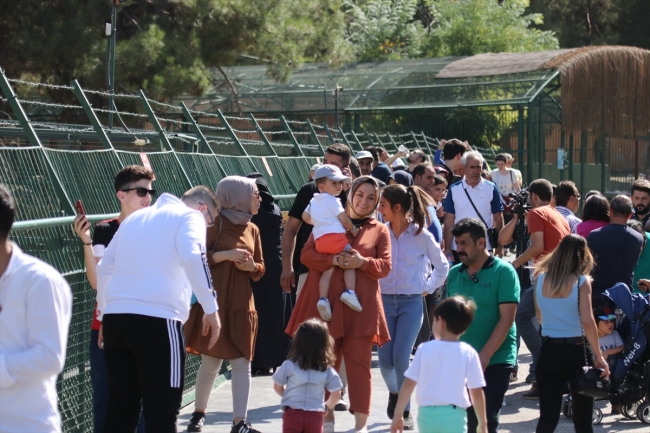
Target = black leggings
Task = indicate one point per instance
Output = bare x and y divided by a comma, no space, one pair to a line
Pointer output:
557,365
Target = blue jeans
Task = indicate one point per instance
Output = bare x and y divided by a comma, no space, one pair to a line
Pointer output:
99,383
528,327
404,317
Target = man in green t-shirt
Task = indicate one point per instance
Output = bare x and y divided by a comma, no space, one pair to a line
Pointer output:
493,285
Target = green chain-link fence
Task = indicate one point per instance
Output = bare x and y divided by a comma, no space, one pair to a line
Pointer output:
49,166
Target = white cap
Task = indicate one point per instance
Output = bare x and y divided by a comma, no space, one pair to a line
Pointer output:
315,167
363,154
331,172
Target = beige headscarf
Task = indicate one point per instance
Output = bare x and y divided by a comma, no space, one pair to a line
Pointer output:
234,196
356,184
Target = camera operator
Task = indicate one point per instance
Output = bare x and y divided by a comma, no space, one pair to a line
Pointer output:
546,228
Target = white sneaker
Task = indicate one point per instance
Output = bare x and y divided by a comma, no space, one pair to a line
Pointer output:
328,427
324,309
350,299
409,424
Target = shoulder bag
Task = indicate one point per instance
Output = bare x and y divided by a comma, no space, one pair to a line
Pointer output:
588,380
493,235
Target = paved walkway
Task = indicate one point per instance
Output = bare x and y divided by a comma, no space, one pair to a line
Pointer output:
518,415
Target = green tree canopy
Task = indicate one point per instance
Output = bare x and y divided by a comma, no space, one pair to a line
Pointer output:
468,27
166,47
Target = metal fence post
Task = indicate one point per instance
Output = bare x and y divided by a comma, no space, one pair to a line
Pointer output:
291,136
200,136
356,140
344,138
260,132
232,134
390,137
315,137
92,116
329,133
154,121
529,172
520,138
197,130
18,110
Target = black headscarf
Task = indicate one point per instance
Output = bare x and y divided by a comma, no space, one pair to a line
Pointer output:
263,188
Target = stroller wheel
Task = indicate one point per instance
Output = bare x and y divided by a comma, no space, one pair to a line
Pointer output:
567,407
597,416
629,410
643,413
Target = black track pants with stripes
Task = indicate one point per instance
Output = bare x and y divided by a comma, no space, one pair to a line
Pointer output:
145,363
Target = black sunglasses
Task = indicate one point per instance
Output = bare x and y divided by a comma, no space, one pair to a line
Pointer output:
141,191
473,277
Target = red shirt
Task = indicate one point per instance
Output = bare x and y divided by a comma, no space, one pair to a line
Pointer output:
549,221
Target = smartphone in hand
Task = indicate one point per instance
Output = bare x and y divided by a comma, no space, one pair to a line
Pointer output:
80,208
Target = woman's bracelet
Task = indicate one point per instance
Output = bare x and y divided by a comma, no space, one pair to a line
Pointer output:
90,243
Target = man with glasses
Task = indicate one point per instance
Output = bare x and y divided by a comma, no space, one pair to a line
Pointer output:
567,202
145,281
133,191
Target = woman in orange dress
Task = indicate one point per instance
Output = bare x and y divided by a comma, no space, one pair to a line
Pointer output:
234,258
354,332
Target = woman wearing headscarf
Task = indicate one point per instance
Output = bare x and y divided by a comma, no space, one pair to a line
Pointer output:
354,332
235,258
273,304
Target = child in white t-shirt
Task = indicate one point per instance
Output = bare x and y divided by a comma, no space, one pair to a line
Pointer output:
330,222
444,370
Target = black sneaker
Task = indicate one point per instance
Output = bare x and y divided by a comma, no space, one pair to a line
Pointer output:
392,402
533,394
409,424
196,422
243,426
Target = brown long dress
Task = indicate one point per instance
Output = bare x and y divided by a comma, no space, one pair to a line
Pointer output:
234,294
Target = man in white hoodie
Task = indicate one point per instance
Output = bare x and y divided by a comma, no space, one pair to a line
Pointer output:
35,312
145,282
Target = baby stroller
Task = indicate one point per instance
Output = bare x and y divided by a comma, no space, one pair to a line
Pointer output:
630,374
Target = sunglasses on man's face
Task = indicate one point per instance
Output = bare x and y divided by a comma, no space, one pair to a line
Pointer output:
141,191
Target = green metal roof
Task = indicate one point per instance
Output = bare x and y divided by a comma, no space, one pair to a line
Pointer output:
390,85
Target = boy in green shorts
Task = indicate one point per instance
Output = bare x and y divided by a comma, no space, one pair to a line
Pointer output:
442,394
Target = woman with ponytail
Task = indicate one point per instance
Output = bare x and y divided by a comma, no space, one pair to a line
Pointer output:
413,251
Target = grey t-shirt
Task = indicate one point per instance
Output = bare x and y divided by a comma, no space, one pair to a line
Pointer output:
305,389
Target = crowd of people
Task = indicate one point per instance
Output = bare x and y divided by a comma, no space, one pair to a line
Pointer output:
376,254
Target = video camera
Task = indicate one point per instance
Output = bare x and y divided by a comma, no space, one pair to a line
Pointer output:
519,202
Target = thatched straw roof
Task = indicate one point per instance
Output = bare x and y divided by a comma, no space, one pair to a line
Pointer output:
481,65
605,89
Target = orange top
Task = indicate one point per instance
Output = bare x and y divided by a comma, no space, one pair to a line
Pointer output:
373,243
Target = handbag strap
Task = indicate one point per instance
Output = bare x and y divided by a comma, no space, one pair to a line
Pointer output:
475,210
582,330
214,245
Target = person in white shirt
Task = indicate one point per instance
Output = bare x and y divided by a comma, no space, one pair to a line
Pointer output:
442,392
35,313
144,284
330,222
472,197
